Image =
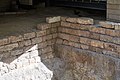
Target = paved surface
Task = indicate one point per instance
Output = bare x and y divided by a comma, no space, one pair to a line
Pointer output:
17,24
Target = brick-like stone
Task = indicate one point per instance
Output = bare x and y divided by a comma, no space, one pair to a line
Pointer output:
84,20
97,43
71,20
110,47
65,42
59,41
43,26
16,52
106,38
98,30
117,26
37,40
110,32
95,36
107,24
3,41
84,33
116,40
47,37
15,38
54,35
41,33
74,38
57,24
27,42
29,35
63,18
9,47
42,45
86,41
111,53
46,49
117,33
82,46
65,24
53,19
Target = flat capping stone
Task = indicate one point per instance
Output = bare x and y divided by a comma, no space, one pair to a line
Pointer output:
53,19
110,25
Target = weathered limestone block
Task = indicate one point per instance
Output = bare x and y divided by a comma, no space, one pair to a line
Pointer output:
3,41
81,20
15,38
53,19
29,35
43,26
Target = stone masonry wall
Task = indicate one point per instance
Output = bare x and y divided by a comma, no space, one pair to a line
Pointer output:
91,52
113,10
73,48
13,47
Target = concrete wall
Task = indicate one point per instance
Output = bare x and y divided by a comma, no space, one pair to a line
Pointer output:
113,10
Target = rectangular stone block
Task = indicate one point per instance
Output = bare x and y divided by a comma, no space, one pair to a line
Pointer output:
95,36
98,30
110,32
37,40
10,47
111,47
86,41
3,41
59,41
15,38
29,35
57,24
43,26
106,38
81,20
107,24
97,43
53,19
40,33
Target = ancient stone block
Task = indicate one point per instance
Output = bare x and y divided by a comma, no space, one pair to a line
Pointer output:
63,18
40,33
57,24
82,46
106,38
65,24
43,26
15,38
29,35
53,19
37,40
84,33
86,41
98,30
110,32
4,41
71,20
97,43
110,47
16,52
59,41
27,42
95,36
9,47
83,20
107,24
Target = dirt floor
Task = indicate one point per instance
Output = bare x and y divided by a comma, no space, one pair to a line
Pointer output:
22,23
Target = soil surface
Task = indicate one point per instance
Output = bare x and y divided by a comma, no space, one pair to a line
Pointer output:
22,23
